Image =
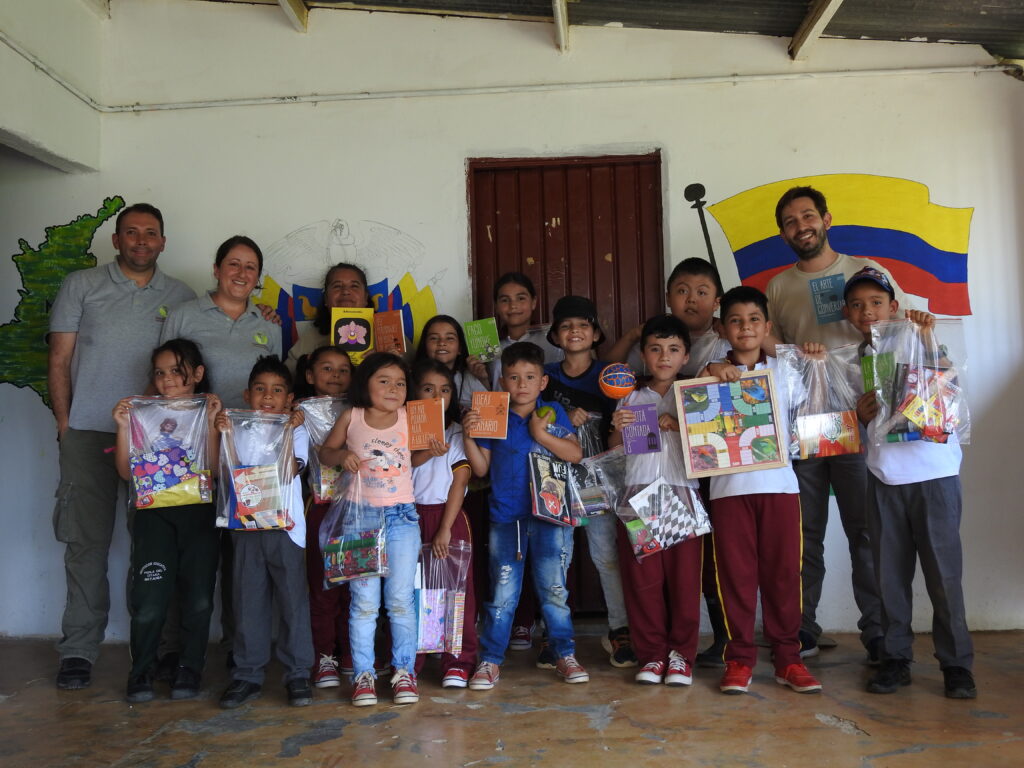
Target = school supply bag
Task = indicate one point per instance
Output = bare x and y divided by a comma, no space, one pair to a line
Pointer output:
257,466
822,402
918,376
352,538
661,515
167,454
441,598
597,483
321,414
552,491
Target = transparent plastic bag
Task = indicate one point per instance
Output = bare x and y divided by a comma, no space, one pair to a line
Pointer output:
598,482
591,435
167,455
661,515
822,404
321,414
919,377
257,466
352,535
441,598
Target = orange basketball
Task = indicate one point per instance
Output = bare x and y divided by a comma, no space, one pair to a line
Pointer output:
617,380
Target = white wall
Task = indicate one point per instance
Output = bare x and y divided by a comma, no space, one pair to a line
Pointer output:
268,170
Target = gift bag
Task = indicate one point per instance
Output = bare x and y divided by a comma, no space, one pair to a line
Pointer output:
257,466
352,535
661,515
321,414
597,483
441,598
591,434
918,376
167,454
822,404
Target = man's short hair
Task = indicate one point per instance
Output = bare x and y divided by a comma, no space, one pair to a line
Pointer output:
522,352
792,194
152,210
743,294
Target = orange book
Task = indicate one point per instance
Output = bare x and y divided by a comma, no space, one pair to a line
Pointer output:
389,332
493,408
426,422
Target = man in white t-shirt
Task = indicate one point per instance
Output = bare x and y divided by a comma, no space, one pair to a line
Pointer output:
805,303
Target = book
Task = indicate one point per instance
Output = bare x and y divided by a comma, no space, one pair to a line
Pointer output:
389,332
644,434
549,482
455,613
258,501
493,409
482,339
352,330
828,434
426,422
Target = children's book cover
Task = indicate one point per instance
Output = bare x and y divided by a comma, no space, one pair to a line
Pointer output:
389,332
426,422
258,502
730,426
482,339
644,434
352,330
493,409
828,434
549,481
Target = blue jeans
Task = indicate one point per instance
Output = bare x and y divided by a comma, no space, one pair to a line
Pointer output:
550,548
402,543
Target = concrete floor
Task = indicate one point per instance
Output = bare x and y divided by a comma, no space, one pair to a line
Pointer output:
529,719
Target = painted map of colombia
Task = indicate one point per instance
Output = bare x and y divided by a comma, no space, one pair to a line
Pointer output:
23,348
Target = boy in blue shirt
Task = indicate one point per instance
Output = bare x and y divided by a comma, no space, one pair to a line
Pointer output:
913,512
514,531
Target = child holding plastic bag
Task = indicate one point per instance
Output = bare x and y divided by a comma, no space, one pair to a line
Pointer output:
372,439
440,476
328,371
170,544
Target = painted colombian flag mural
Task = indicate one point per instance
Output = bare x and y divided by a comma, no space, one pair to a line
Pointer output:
890,220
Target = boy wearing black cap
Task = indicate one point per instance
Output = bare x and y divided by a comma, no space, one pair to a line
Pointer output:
913,512
574,384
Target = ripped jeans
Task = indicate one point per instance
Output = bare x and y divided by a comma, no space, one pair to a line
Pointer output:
550,552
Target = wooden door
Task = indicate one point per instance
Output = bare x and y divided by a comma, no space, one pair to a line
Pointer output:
588,226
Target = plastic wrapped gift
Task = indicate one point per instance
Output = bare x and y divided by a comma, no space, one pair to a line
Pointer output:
597,483
661,515
167,455
352,537
918,375
822,402
257,468
441,598
321,414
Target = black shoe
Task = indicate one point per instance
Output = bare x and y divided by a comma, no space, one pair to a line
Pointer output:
300,694
711,657
891,675
959,683
874,648
229,662
186,684
140,688
546,659
166,668
808,644
239,692
74,673
619,647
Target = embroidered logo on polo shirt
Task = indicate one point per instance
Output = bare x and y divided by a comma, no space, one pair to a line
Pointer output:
260,339
161,313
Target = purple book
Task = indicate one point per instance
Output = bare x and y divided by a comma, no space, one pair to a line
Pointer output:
643,435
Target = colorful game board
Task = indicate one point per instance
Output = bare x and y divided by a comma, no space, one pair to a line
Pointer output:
729,427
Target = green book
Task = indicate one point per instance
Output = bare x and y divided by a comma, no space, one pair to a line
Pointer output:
878,372
482,339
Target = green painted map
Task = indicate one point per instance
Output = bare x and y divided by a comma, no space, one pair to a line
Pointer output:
23,348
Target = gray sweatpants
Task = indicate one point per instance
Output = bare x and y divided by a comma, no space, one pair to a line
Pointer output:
907,522
847,476
269,567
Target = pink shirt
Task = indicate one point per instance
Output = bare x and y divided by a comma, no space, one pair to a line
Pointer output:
385,464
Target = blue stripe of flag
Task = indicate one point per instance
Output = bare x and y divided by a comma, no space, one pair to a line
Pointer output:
772,252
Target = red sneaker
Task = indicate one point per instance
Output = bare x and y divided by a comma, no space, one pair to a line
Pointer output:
651,674
571,671
485,677
403,684
522,639
456,677
364,690
797,677
679,670
736,678
326,675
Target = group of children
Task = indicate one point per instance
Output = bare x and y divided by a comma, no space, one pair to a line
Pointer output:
556,407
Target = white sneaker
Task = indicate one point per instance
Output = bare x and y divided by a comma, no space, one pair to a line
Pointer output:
651,674
679,671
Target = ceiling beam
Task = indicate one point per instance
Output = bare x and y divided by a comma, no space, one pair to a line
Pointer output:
297,13
560,9
814,23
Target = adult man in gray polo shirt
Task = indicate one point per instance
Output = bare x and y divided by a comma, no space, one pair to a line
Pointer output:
103,327
805,304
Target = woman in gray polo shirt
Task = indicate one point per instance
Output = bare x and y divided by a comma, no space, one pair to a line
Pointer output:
227,326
